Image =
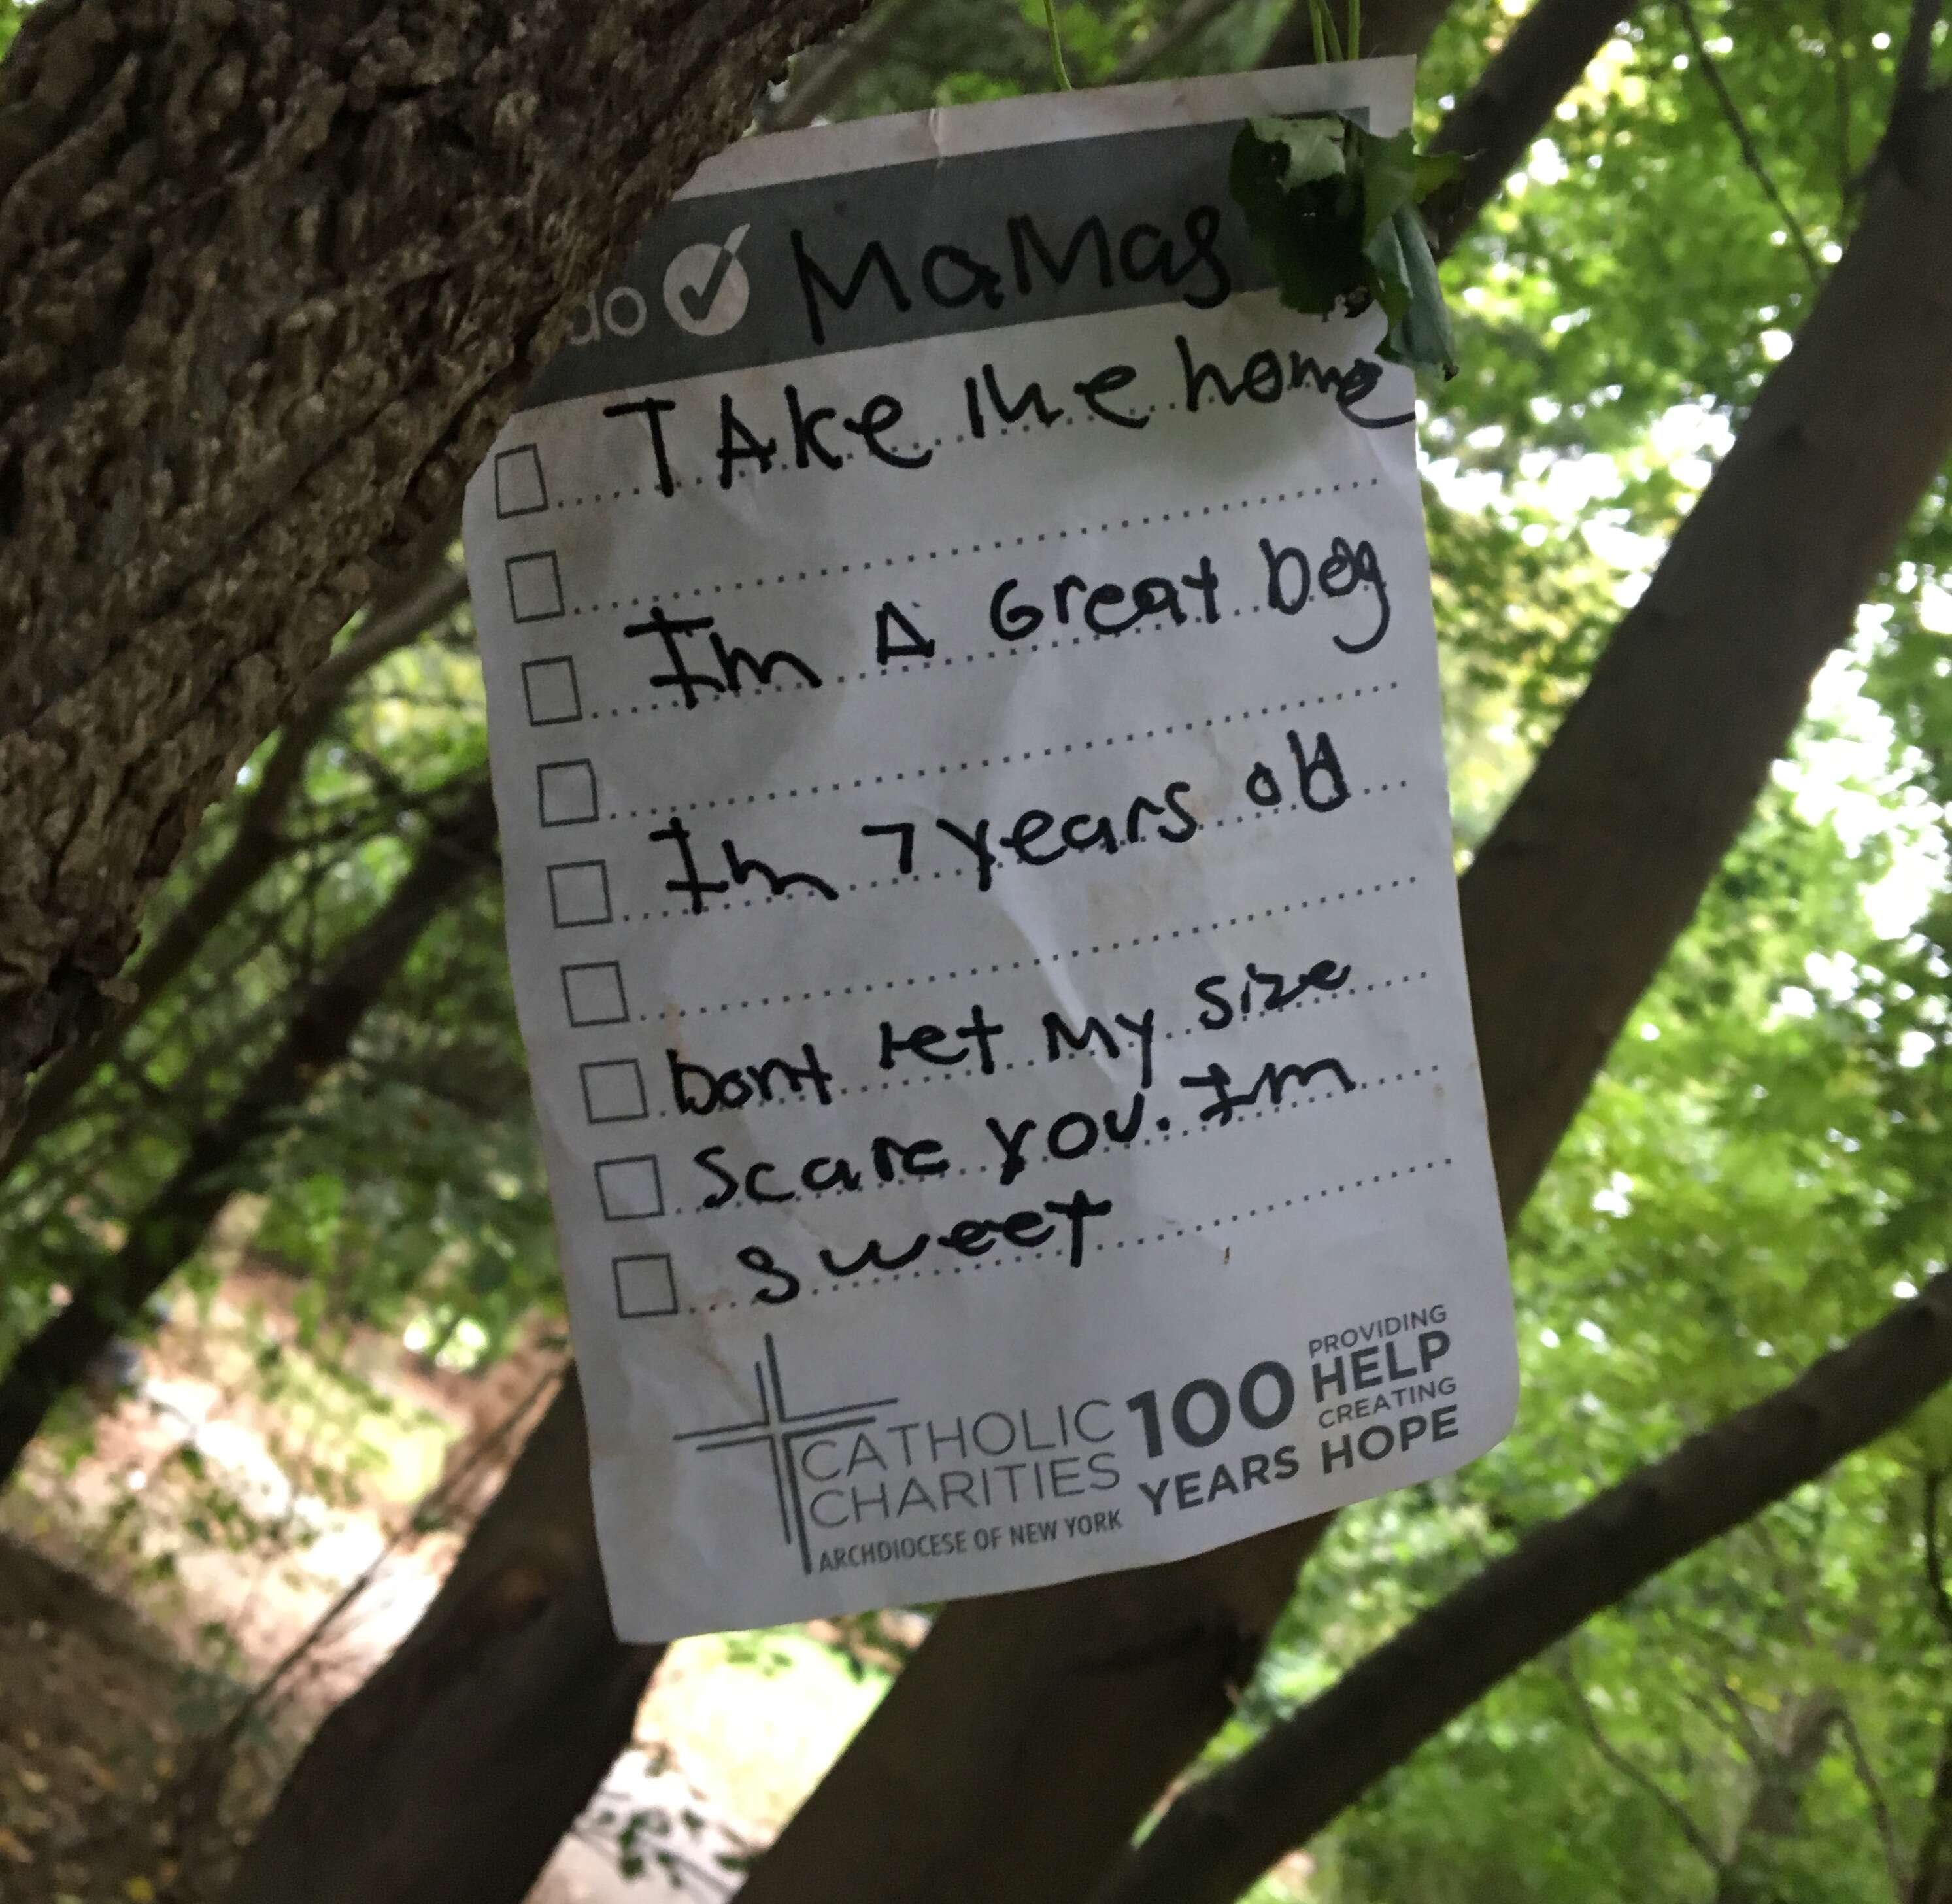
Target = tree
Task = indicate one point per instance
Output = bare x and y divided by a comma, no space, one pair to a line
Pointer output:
1701,684
274,275
1216,1839
112,1291
1569,908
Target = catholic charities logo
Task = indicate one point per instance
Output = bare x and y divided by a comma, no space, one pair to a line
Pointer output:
781,1431
706,293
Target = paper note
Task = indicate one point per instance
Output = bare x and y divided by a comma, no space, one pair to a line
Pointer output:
965,721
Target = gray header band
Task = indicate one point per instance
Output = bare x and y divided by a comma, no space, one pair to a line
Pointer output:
975,242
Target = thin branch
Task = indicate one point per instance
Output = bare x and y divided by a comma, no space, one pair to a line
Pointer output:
1914,59
1932,1841
1192,20
1698,1840
1934,1556
1873,1796
1751,156
427,603
822,79
1840,69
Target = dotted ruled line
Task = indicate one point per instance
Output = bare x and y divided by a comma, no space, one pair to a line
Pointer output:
816,467
979,547
946,1073
794,682
1033,753
797,895
1162,1135
948,976
859,1282
1270,1209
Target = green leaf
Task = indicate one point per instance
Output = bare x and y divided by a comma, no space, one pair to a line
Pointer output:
1389,179
1331,209
1313,146
1421,336
1434,169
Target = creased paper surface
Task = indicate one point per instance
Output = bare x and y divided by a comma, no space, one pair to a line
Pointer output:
964,716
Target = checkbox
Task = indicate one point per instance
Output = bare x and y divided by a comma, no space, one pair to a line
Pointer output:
535,587
646,1286
549,687
593,993
566,793
580,893
613,1090
519,487
629,1186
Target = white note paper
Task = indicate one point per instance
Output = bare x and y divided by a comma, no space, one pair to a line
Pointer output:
964,716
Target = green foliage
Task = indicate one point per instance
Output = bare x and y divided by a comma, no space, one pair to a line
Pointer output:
1761,1166
1332,207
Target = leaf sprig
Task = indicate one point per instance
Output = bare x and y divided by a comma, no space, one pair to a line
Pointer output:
1332,211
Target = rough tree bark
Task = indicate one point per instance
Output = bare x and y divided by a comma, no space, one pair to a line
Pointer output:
1219,1835
257,846
458,850
271,276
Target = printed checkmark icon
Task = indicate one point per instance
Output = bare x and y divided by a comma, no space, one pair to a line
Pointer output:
698,300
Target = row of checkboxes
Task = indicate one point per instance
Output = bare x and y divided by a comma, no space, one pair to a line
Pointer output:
535,581
550,686
628,1188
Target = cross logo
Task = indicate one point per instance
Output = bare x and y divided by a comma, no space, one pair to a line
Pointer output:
779,1430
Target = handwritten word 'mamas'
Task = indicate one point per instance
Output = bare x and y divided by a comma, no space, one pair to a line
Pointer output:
1024,265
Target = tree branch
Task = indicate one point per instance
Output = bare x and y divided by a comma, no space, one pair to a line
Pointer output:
456,850
1491,128
824,77
1751,156
1935,1557
1698,1840
1873,1796
1914,59
257,845
1221,1835
1193,19
470,1751
1569,909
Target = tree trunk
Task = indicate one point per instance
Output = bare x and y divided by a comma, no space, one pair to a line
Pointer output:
109,1292
271,275
417,1789
257,845
1568,911
1221,1835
